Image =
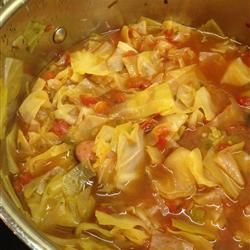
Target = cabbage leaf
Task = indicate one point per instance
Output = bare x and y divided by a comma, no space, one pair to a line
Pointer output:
237,74
154,100
85,62
199,242
183,170
193,229
203,100
129,226
126,141
32,104
37,165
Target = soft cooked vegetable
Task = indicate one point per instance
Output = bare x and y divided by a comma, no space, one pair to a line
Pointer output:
32,104
162,241
199,242
183,168
129,226
13,75
237,74
10,148
212,27
85,62
31,36
40,163
154,100
127,142
193,229
203,101
3,108
219,176
174,181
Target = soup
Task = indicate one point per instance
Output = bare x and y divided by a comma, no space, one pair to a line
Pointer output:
139,139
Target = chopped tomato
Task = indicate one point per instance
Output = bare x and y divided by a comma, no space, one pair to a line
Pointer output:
244,101
161,134
23,179
222,146
169,34
117,96
175,206
60,128
138,83
84,151
48,75
88,100
148,125
102,107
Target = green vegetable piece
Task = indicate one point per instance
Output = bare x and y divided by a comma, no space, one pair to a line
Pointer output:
32,35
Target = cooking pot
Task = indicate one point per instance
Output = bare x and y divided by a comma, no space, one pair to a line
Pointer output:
69,21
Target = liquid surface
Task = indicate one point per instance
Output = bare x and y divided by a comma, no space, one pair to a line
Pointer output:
139,139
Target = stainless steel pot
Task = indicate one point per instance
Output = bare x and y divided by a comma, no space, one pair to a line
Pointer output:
79,18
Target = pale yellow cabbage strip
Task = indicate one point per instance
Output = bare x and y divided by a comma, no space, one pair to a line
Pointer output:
154,100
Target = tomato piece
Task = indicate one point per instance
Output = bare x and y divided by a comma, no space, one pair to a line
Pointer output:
243,101
60,128
21,180
25,177
222,146
138,83
161,134
48,75
88,100
84,151
117,96
102,107
169,34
